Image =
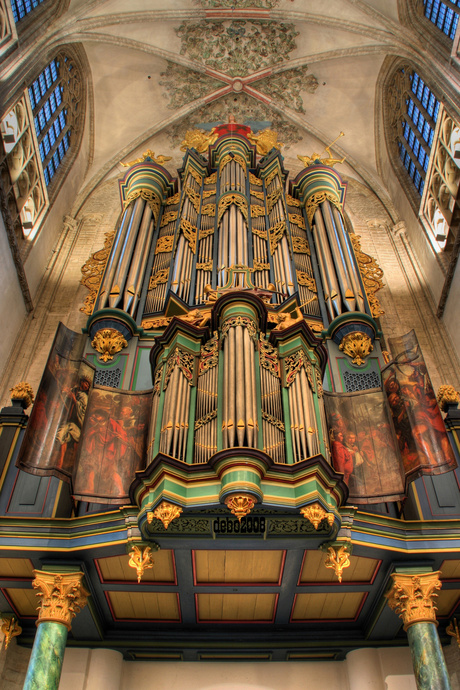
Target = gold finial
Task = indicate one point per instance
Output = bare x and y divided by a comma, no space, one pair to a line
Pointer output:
413,597
161,160
198,139
265,141
23,392
315,514
10,628
447,395
165,512
141,559
62,596
240,504
338,559
316,157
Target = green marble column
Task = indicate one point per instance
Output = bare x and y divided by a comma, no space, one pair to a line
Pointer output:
427,657
45,663
61,596
413,596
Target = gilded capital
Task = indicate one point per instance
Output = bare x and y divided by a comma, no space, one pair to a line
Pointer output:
413,597
62,596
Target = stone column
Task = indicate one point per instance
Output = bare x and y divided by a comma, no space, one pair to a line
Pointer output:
413,597
62,596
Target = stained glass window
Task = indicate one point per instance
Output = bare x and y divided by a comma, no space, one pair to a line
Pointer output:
21,8
444,15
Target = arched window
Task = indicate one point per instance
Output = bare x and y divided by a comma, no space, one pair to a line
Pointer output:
444,15
39,150
21,8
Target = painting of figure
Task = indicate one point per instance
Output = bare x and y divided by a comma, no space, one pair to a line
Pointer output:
418,423
113,445
363,446
53,431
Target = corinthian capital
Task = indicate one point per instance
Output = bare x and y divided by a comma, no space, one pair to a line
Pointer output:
413,597
62,596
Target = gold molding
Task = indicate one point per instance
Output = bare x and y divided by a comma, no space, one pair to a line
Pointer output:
23,391
240,504
371,274
356,345
62,596
315,514
141,559
108,342
338,558
413,597
10,628
93,270
165,512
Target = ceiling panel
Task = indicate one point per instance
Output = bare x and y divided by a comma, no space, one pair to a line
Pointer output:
16,567
228,567
144,605
447,601
314,570
236,607
117,569
450,569
327,606
24,601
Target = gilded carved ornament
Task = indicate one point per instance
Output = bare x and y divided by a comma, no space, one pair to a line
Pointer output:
265,141
93,270
316,157
190,232
358,346
165,512
300,246
108,342
161,160
229,199
255,180
10,628
318,198
23,392
61,595
447,395
453,631
168,217
159,322
141,559
147,195
413,597
315,514
240,504
371,275
337,558
159,278
173,200
165,244
198,139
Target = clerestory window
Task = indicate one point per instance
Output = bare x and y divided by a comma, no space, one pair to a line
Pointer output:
443,14
21,8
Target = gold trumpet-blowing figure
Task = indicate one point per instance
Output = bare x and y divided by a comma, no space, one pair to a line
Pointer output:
329,160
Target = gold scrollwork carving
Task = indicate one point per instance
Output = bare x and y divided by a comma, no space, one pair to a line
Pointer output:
157,381
306,281
10,628
23,392
62,596
93,270
255,180
337,559
315,514
228,200
298,220
315,200
371,273
184,360
228,158
257,211
275,234
212,179
271,177
244,321
358,346
204,420
319,382
108,342
258,231
159,322
208,192
194,198
168,217
300,246
165,512
273,421
293,364
209,355
196,176
208,210
173,200
205,232
190,232
159,278
273,198
447,395
164,244
268,356
260,266
258,195
240,504
141,559
291,201
150,197
413,597
204,266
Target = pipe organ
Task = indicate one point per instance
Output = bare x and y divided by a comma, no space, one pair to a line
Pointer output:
243,288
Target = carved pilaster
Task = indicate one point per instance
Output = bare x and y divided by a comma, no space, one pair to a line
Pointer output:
62,596
413,597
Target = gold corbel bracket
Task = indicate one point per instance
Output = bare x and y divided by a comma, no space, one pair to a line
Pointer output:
240,504
337,557
108,342
141,558
10,627
315,514
165,512
358,346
